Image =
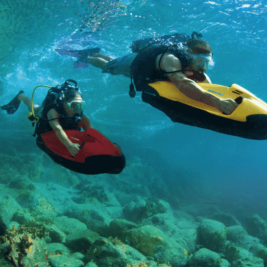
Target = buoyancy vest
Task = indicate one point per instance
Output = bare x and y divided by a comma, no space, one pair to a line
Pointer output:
176,38
144,69
54,100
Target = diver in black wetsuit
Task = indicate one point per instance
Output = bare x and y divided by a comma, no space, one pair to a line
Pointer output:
182,63
57,117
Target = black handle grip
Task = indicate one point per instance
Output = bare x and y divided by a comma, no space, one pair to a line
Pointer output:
239,100
81,146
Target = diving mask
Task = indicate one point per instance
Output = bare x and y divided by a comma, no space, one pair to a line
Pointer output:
203,60
76,105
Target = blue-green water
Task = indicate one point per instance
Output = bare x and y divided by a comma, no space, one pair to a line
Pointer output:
227,169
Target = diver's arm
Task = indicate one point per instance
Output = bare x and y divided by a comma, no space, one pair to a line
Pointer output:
85,123
63,138
191,89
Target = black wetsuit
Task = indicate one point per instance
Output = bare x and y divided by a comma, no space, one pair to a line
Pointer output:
144,69
43,126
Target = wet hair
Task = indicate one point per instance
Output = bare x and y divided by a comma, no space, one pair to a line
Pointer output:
199,46
70,94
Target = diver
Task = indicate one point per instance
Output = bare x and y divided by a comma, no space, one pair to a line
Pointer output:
180,59
61,110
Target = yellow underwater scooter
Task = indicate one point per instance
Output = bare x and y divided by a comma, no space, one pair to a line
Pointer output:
249,119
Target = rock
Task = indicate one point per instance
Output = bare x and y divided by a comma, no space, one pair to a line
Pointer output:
8,207
41,209
212,235
56,234
24,217
165,222
12,224
234,233
22,183
58,248
252,244
35,253
58,196
151,241
207,258
260,251
187,237
118,226
78,256
90,264
48,239
170,226
255,262
257,227
226,219
112,252
95,218
248,242
60,261
145,239
82,240
233,253
140,209
224,263
69,225
100,193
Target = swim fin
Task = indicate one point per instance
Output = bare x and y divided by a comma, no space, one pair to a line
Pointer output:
80,64
13,105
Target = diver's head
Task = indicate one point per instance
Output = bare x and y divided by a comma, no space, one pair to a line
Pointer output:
200,54
73,102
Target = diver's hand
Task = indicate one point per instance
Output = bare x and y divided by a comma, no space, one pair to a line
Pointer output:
227,106
73,149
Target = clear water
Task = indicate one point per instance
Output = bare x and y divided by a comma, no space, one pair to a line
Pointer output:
212,166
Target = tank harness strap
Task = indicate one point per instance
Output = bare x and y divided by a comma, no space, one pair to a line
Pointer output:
167,72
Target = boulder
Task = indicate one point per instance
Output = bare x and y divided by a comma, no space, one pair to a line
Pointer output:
207,258
8,207
112,252
69,225
57,248
151,241
226,219
56,234
118,226
212,235
59,261
236,232
82,240
143,208
257,226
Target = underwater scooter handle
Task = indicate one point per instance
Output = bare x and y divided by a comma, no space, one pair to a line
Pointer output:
238,101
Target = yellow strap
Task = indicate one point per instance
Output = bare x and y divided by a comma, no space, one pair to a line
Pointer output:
36,119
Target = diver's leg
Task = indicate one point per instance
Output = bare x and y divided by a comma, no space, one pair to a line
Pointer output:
97,62
28,102
105,57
